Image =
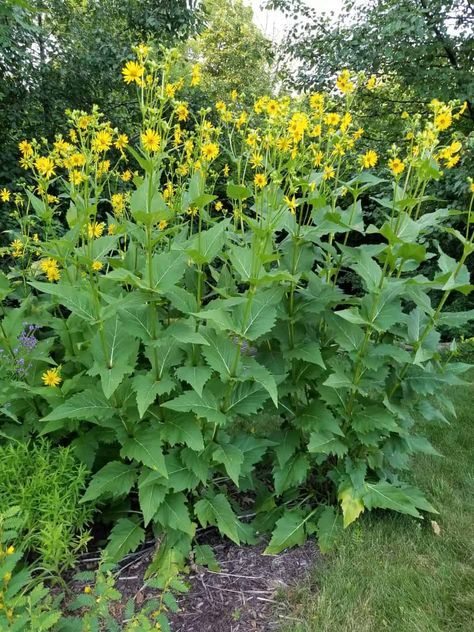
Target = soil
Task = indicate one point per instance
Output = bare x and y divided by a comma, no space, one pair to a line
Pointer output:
247,595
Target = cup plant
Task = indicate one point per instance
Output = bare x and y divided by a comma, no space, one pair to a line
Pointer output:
199,345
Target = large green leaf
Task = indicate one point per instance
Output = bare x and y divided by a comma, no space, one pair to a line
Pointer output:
204,406
152,489
232,458
125,537
329,529
145,447
289,531
173,513
195,376
182,428
216,510
83,405
114,479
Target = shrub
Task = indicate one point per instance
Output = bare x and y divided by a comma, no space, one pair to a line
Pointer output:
173,325
46,483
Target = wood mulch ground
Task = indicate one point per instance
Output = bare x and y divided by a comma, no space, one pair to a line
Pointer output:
247,595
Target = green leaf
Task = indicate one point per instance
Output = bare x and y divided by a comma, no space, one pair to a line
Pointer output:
186,332
293,473
147,389
221,354
114,479
145,447
309,352
216,511
326,443
204,406
77,299
195,376
125,537
261,317
404,498
204,556
183,428
289,531
173,513
82,406
329,529
206,245
261,375
238,191
167,269
232,458
152,489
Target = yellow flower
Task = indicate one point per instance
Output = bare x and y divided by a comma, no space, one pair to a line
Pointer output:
36,238
25,148
443,120
5,195
284,143
170,90
162,224
405,115
121,142
87,590
332,119
84,121
112,229
471,185
234,95
51,377
102,141
45,166
396,166
95,229
452,161
316,102
132,72
316,131
272,107
151,140
196,75
103,167
61,146
328,173
358,133
346,121
192,211
7,576
256,160
218,206
10,550
50,268
76,177
291,203
243,118
371,83
17,246
52,199
260,180
344,83
77,160
126,175
118,203
369,159
298,125
96,266
209,151
182,112
318,158
252,139
225,170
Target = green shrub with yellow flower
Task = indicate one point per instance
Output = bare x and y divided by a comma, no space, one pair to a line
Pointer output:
196,341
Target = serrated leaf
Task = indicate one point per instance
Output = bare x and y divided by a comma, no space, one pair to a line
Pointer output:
204,406
152,489
183,428
115,479
216,511
147,389
204,556
232,458
195,376
329,528
145,447
125,537
82,406
289,531
351,504
173,513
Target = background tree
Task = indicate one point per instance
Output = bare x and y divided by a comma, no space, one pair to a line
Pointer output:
234,53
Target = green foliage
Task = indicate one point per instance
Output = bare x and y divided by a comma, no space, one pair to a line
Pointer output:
46,483
182,328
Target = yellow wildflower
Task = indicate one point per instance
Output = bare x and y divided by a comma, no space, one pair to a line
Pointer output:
369,159
97,266
133,72
332,119
17,246
443,120
371,83
112,229
344,83
162,224
5,195
260,180
256,160
95,229
126,175
102,141
196,75
51,377
25,148
121,142
291,203
396,166
182,112
328,173
76,177
209,151
151,140
45,166
50,268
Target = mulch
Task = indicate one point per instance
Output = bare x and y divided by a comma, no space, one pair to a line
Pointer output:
247,595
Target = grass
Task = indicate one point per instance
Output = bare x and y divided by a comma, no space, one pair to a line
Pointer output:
394,573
